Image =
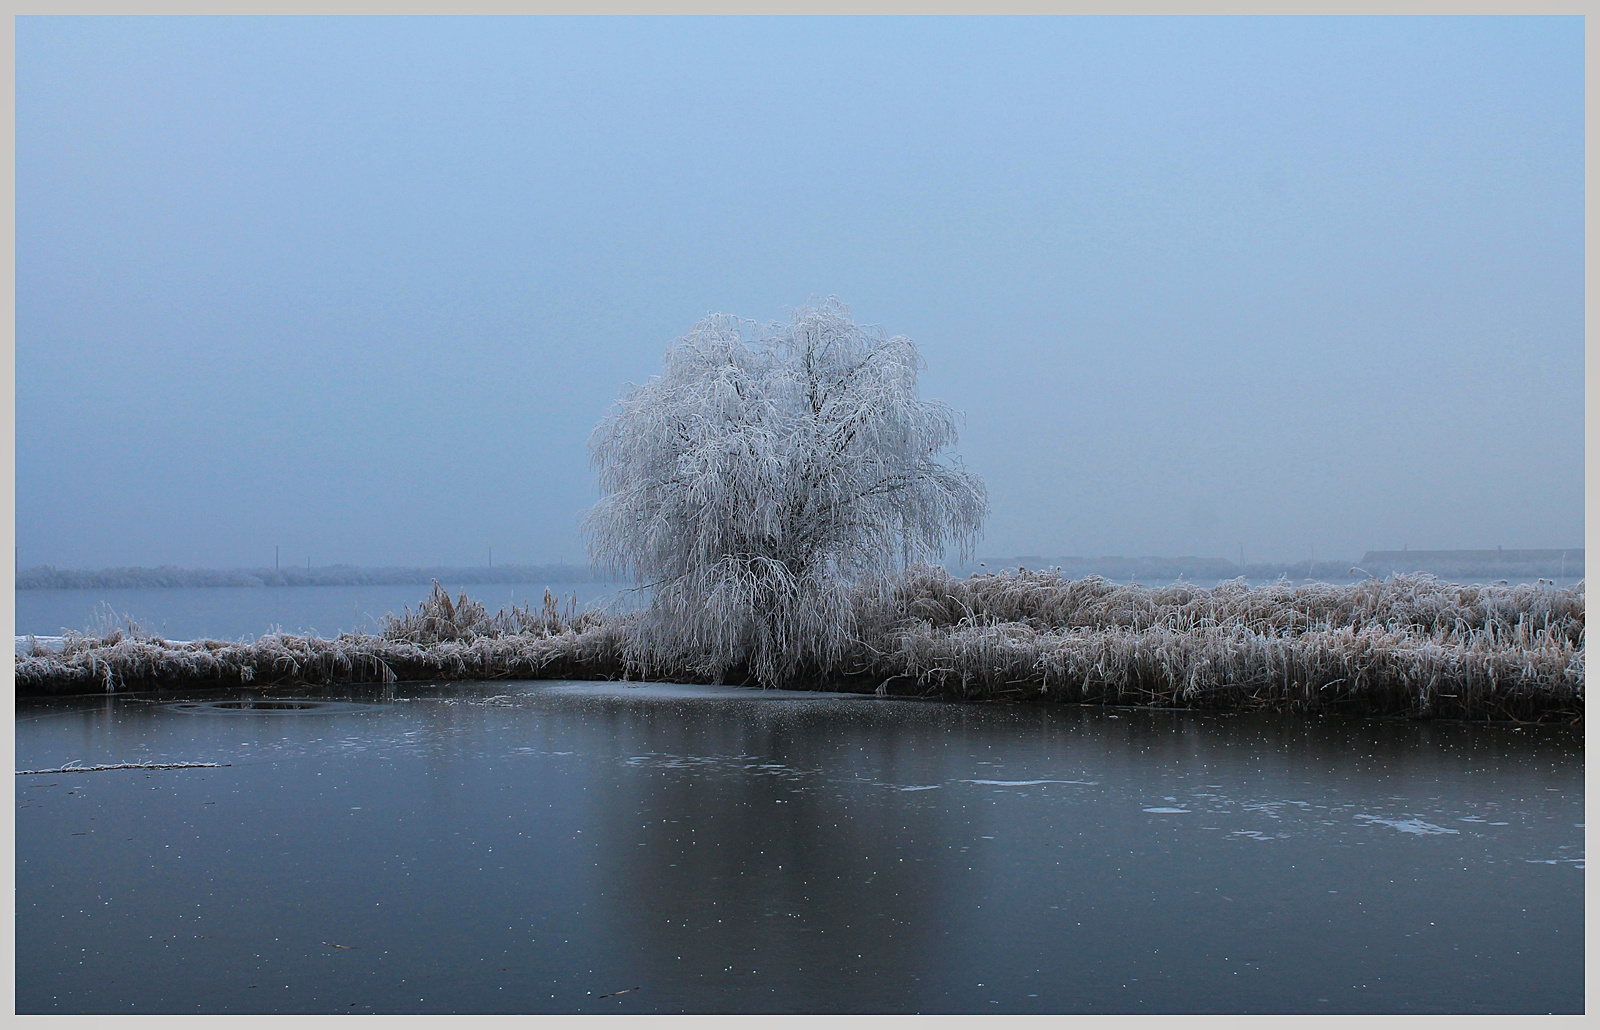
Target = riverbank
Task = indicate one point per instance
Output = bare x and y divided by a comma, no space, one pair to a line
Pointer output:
1409,645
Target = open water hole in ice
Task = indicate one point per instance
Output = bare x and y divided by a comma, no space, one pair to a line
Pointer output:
587,847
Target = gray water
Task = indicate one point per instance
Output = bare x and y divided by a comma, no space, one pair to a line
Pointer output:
244,613
570,847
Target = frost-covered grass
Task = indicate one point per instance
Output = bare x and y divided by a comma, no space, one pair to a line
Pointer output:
438,619
1408,645
443,639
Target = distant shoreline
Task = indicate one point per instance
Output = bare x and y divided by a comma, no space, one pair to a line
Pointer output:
45,577
1513,566
1457,566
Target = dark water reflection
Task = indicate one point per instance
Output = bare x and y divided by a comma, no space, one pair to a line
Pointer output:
532,847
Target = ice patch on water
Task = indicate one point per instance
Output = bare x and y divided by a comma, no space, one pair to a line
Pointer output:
634,689
1416,826
1168,811
928,786
724,763
1029,783
1577,861
1270,809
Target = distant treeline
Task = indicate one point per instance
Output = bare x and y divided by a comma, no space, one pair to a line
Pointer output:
1485,566
1456,566
1171,570
45,577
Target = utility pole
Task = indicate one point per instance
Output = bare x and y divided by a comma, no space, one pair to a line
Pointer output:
274,557
491,557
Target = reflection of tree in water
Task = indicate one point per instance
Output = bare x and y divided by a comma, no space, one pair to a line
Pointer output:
748,860
889,856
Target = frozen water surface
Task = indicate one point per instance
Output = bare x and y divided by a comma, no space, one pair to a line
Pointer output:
608,847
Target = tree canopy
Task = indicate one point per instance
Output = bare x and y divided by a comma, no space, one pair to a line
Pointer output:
766,473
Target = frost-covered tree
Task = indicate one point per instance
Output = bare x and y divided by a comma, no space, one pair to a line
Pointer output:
767,472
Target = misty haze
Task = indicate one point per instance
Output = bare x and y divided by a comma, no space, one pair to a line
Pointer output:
360,289
535,514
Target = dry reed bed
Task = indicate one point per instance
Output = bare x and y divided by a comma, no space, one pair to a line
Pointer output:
1044,600
443,639
1408,645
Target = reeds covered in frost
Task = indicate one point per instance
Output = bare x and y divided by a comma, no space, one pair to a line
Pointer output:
1408,645
439,619
1046,600
443,639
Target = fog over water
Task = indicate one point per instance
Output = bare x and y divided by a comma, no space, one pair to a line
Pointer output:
359,288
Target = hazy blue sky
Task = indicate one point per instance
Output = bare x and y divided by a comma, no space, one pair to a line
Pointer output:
361,287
